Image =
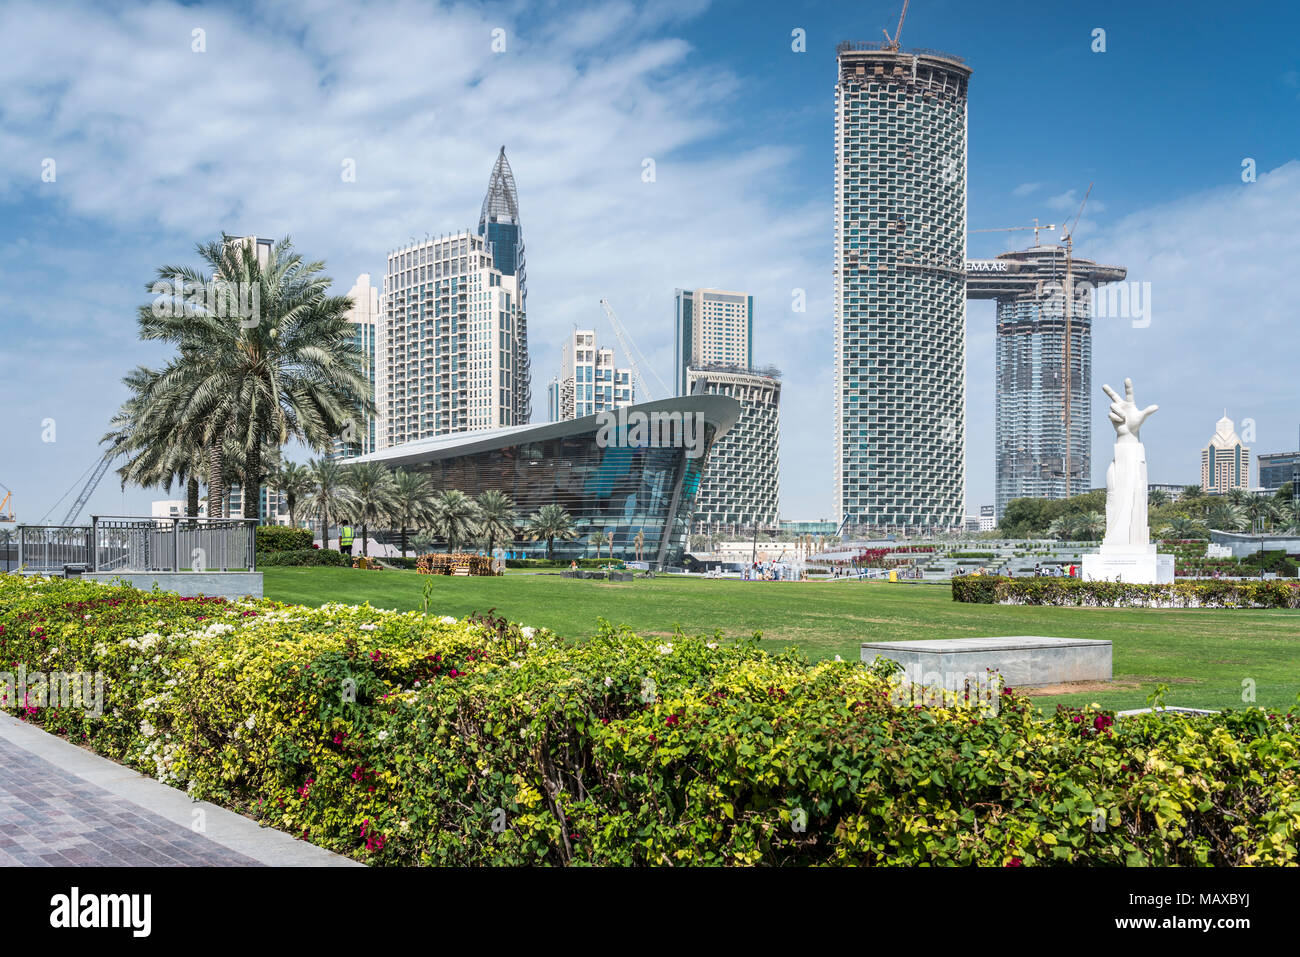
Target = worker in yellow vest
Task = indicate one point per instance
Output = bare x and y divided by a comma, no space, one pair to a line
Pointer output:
345,540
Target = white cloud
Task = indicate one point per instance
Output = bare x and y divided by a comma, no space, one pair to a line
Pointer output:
159,147
1024,189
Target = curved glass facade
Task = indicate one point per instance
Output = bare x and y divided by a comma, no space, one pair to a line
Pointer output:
620,488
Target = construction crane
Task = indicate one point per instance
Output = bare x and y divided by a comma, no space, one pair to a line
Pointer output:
1068,313
1068,239
100,468
96,472
893,43
1016,229
632,352
7,502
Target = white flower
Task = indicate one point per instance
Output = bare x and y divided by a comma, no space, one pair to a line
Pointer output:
368,627
666,649
252,720
86,617
711,644
609,682
447,620
383,735
146,729
527,631
514,664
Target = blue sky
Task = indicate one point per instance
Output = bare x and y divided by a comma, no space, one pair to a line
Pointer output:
157,147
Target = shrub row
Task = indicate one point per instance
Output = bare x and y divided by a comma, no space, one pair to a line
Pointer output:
303,556
561,563
413,739
993,589
282,538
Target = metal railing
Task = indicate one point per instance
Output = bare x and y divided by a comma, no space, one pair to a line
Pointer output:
47,548
128,543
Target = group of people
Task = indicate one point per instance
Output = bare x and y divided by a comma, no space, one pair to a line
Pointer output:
768,572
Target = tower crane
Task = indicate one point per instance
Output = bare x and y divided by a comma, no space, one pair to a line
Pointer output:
632,352
893,43
1016,229
1068,239
7,502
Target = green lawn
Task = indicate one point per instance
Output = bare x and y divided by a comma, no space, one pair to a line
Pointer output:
1203,655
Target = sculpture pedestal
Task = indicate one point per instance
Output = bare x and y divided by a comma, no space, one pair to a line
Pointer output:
1136,564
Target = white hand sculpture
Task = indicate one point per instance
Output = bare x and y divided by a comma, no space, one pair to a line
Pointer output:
1125,414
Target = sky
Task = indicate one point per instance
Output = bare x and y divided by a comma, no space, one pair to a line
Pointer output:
126,137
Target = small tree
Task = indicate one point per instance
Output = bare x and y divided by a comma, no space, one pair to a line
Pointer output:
549,523
455,517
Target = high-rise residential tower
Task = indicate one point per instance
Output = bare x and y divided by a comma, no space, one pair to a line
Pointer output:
589,381
499,224
740,488
713,327
449,343
452,340
899,288
359,438
1225,460
1041,452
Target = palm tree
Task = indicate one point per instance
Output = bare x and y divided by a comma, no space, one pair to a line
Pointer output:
1157,497
639,542
497,518
1238,496
264,356
1183,529
1065,527
412,502
1092,525
549,523
596,538
371,489
1223,514
331,496
295,483
455,517
1291,516
1261,510
159,449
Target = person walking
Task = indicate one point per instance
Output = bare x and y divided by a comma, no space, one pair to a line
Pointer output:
345,540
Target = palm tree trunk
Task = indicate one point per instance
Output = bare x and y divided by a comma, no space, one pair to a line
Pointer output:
216,483
364,553
192,496
324,528
253,481
403,542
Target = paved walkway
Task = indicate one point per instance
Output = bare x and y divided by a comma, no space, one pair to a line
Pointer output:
62,805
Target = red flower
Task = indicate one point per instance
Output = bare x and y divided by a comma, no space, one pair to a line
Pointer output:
1014,862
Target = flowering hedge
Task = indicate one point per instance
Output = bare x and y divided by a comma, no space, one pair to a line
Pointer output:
993,589
414,739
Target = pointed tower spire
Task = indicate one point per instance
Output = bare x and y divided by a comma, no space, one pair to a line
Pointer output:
501,204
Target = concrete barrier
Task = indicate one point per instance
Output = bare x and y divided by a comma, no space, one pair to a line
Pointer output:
189,584
1022,660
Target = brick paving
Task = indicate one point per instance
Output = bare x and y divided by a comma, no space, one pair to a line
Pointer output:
51,817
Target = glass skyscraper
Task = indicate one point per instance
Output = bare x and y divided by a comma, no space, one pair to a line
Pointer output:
1043,442
899,289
